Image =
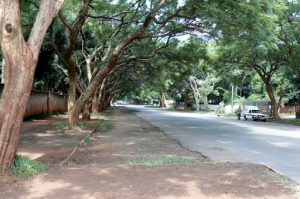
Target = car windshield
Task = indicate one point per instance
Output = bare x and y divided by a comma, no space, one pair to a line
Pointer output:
255,111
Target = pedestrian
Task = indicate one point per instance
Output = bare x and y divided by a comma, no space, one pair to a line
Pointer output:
239,112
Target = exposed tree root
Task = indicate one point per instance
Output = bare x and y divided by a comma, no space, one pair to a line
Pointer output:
69,157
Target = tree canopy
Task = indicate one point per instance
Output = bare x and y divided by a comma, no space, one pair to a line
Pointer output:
193,51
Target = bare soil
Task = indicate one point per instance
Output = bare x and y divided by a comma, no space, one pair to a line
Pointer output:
101,168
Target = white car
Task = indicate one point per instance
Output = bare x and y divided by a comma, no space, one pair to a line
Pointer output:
253,113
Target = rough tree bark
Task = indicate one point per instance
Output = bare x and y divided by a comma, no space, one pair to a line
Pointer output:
100,94
3,72
196,94
95,103
205,98
74,30
274,106
92,105
269,88
106,98
20,60
111,65
86,114
186,102
162,100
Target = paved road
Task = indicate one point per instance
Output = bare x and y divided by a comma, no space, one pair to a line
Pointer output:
221,138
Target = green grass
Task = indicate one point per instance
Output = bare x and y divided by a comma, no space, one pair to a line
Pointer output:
61,125
159,160
106,126
81,125
24,168
87,141
101,117
288,121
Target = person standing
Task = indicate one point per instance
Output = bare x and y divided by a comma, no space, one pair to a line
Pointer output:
239,112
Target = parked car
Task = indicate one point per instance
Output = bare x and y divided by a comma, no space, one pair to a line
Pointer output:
253,113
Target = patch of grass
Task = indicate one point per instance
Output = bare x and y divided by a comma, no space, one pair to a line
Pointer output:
106,126
288,121
64,125
61,125
81,125
24,168
87,141
159,160
101,117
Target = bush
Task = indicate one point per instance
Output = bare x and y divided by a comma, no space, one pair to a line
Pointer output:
220,108
24,168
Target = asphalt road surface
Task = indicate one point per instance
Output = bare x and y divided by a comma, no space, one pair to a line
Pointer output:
229,139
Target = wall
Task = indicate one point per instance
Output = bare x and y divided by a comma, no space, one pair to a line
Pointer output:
43,102
212,107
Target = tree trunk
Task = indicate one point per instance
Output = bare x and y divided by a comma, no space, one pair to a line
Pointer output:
206,103
97,96
83,99
72,84
111,65
86,114
102,101
74,30
3,72
196,94
274,108
20,61
13,103
101,97
95,103
162,100
269,88
197,101
107,101
186,101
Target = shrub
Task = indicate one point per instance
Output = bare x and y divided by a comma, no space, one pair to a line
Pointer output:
24,168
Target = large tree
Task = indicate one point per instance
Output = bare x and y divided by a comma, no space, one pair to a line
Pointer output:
250,38
20,58
150,22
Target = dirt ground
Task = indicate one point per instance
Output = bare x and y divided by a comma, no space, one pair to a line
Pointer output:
101,168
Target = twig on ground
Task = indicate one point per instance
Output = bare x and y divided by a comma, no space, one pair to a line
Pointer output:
67,159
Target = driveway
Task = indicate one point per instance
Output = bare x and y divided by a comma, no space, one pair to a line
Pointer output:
228,139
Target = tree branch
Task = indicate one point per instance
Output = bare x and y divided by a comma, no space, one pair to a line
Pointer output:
48,10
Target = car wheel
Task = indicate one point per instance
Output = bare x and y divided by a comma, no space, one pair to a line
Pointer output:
264,120
245,117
